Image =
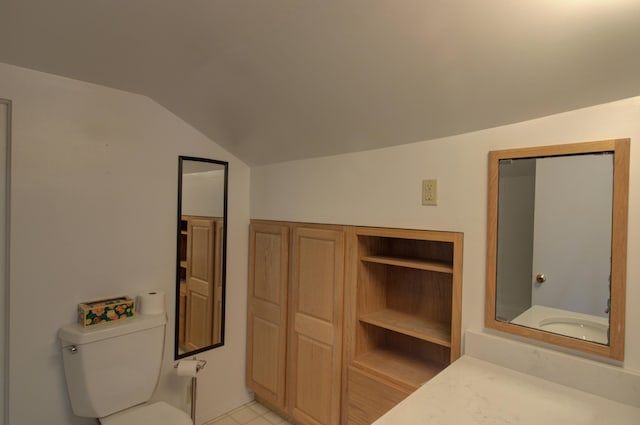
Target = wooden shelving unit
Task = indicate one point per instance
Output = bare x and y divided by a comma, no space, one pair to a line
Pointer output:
398,327
404,307
410,263
409,324
402,368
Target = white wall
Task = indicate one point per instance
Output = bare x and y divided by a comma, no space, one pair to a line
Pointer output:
516,197
382,188
203,194
93,204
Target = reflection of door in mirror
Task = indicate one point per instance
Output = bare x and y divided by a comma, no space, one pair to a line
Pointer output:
551,208
201,287
201,255
572,220
556,244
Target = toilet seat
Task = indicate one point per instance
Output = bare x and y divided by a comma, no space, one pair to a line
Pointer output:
159,413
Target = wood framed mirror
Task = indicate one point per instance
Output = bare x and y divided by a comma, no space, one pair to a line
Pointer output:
557,242
201,255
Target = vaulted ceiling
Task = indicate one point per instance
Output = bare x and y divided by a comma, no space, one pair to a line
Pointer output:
276,80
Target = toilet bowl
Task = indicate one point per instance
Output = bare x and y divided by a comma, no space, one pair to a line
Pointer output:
159,413
112,370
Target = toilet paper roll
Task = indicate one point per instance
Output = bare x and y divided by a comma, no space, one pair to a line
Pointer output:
187,368
151,302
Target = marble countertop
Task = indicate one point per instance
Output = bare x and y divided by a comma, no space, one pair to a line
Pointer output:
476,392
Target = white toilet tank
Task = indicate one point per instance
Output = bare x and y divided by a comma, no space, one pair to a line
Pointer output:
114,366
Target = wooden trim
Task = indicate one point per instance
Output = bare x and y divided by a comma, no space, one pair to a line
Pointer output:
419,234
492,241
619,248
350,322
557,150
620,148
456,297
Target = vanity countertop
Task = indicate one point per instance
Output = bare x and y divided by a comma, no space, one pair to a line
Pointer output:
473,391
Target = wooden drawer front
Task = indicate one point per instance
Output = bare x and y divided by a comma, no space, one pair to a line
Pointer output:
370,398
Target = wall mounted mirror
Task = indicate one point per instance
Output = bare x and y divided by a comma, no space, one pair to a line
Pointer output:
201,255
556,244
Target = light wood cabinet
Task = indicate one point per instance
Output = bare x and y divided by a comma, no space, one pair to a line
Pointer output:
294,335
315,334
201,283
344,322
267,311
403,315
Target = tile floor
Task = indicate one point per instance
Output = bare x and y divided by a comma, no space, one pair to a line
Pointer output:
252,413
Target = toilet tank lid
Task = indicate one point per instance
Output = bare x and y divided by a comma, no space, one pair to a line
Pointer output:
74,333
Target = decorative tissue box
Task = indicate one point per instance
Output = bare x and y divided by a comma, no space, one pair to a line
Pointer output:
102,311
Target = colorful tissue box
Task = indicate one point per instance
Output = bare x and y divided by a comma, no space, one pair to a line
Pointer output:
103,311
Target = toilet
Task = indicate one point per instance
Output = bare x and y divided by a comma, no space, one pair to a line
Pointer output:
112,371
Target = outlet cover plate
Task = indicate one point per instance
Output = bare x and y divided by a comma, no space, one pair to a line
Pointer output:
430,192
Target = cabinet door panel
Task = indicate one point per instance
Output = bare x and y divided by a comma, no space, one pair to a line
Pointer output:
265,339
316,335
267,321
267,266
316,272
313,386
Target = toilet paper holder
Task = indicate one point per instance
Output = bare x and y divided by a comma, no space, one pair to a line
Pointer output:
201,364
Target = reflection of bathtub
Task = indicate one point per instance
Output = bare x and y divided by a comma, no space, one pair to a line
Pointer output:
575,325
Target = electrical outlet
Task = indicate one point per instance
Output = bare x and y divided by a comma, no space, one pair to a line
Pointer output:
430,192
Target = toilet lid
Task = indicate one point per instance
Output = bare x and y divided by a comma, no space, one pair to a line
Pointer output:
159,413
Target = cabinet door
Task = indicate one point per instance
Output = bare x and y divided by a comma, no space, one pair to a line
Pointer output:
267,311
200,283
314,365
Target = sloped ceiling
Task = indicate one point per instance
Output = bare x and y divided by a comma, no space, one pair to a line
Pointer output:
276,80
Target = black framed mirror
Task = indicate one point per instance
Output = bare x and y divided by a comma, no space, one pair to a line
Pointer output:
201,255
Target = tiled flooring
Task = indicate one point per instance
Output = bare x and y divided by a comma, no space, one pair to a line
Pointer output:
252,413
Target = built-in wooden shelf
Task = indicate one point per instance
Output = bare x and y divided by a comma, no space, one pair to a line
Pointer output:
412,263
403,315
399,367
412,325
